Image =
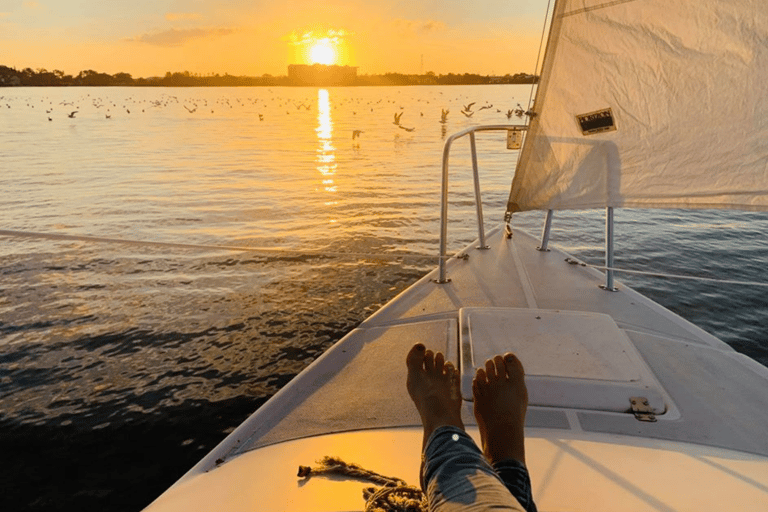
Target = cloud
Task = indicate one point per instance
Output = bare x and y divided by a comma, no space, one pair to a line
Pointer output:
419,26
183,16
177,37
335,36
30,4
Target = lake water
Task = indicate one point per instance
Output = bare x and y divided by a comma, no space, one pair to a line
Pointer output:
121,365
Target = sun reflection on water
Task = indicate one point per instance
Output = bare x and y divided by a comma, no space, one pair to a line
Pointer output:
326,152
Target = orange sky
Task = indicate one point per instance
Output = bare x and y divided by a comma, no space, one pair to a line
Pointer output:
150,37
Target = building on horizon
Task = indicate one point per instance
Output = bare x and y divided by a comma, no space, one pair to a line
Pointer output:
321,74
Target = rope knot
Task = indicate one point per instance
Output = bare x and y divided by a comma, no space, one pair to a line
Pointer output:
393,495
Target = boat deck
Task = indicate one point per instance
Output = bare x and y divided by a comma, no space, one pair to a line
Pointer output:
587,353
569,471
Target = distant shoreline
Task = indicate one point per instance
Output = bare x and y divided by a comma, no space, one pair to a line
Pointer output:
11,77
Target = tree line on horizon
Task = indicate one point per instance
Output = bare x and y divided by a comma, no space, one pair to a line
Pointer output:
28,77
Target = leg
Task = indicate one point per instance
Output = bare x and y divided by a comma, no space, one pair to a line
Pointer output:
500,403
455,474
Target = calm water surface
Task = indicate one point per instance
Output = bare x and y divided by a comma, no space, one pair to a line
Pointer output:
122,365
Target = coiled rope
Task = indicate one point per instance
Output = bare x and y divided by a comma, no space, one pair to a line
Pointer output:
392,495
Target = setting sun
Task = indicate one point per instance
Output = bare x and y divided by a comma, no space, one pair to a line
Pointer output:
322,51
328,47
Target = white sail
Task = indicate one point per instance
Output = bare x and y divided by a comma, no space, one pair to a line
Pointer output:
650,103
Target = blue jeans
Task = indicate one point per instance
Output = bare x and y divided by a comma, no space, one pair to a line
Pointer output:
457,477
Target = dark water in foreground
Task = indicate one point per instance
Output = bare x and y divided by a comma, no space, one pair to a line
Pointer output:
121,366
112,403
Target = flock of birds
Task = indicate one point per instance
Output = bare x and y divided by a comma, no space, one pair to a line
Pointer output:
105,106
108,108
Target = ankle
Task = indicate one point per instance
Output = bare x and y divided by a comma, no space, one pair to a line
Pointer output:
432,423
504,441
494,455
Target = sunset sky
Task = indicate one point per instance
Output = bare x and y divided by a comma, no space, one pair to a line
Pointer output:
253,37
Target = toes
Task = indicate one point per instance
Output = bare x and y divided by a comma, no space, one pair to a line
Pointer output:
479,383
490,370
419,358
439,362
501,370
429,360
514,367
503,367
415,358
481,378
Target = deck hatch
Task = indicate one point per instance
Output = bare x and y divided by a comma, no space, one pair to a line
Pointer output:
573,359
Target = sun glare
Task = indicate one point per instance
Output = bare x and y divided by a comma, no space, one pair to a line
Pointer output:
322,52
328,47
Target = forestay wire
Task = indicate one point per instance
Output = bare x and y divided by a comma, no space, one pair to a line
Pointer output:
538,56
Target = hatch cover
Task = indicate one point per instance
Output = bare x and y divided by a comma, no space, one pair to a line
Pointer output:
572,359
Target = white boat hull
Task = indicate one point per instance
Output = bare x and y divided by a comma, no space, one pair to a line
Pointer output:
586,450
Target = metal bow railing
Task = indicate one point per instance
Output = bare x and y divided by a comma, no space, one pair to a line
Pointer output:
478,200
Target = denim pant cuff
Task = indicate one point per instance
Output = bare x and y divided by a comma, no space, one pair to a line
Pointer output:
454,470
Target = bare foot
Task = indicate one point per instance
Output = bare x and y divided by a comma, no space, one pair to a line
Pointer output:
434,388
501,400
